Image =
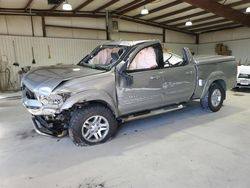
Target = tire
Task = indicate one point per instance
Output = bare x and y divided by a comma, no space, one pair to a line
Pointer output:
91,125
213,100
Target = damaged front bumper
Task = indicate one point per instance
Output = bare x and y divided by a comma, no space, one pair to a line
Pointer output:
36,108
55,129
47,119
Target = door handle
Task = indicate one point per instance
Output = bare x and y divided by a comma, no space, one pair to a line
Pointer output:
189,72
156,77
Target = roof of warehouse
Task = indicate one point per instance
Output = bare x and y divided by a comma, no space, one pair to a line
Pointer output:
169,14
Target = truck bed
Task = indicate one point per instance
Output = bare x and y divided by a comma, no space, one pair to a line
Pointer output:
214,67
204,59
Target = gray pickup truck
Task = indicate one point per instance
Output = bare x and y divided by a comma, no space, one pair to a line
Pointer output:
121,81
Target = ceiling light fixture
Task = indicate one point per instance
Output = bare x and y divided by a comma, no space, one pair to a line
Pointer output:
188,23
248,10
67,6
144,11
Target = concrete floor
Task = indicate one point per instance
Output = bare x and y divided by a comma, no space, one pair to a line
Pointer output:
187,148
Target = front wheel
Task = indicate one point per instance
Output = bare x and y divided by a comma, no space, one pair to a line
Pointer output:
214,98
92,125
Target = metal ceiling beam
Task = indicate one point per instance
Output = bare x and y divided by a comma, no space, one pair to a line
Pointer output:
197,20
221,10
220,29
37,12
106,5
168,5
147,22
173,13
84,4
135,6
127,5
204,29
56,6
28,4
202,13
242,2
185,17
207,24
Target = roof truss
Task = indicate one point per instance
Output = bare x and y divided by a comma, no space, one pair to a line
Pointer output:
221,10
82,5
203,24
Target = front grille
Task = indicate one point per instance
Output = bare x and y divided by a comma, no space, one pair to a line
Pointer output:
29,94
244,76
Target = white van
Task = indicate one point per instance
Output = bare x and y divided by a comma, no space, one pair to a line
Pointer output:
243,76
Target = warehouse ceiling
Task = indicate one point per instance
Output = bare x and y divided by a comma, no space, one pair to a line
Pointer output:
206,15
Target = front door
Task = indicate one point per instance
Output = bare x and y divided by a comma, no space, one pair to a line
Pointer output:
145,90
144,93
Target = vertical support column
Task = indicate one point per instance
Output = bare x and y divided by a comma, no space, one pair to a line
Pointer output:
197,42
164,35
32,26
197,39
107,25
43,27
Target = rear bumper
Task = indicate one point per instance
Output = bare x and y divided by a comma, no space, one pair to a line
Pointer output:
242,86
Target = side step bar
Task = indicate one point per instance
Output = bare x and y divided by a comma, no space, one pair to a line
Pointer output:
154,112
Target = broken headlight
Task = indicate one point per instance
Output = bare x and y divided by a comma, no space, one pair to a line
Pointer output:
51,99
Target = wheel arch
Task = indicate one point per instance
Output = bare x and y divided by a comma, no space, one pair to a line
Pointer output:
91,97
96,102
222,84
217,77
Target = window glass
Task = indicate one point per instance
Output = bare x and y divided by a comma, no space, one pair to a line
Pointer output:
145,59
105,56
171,59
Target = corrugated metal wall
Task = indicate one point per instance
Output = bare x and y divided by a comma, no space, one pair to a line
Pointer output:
237,40
66,51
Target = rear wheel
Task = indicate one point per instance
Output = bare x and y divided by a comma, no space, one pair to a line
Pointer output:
92,125
214,98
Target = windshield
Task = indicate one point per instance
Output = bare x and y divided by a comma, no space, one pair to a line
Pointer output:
103,57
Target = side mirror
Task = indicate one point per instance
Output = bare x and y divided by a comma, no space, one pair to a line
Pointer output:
123,77
121,66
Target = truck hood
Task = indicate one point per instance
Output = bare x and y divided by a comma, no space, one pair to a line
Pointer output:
46,79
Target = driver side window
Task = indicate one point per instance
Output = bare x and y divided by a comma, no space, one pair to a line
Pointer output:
144,59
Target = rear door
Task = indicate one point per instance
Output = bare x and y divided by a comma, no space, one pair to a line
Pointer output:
179,80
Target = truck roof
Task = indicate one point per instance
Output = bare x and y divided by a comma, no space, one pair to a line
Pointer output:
130,43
